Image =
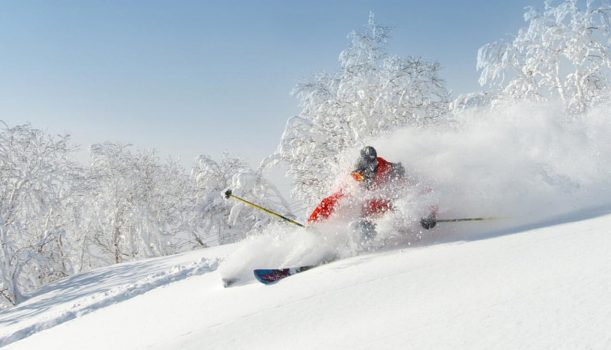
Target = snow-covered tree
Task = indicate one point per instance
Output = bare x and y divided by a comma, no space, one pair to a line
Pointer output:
372,93
138,204
222,221
37,182
563,52
57,218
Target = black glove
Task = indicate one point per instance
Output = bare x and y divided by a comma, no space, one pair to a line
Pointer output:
428,222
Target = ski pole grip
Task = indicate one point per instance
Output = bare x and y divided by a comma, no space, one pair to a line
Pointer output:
228,193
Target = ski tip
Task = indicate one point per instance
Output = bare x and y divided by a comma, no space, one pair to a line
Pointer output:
269,276
228,282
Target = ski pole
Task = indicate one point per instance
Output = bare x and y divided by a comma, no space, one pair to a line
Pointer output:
466,219
229,194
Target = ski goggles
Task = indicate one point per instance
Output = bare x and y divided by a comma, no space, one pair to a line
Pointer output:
358,175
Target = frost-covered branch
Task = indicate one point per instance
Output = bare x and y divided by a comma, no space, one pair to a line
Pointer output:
36,180
563,52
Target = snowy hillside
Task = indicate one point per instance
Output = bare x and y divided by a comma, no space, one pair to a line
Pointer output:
540,288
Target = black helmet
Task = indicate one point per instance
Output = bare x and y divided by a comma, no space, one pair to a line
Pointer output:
367,162
369,153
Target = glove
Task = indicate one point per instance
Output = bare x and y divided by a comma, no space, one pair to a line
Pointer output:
428,222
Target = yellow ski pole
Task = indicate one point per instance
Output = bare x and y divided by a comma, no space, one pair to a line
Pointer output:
466,219
229,194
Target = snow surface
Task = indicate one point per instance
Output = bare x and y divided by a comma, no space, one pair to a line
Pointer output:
538,288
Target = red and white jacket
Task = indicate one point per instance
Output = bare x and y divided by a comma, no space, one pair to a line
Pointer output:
385,172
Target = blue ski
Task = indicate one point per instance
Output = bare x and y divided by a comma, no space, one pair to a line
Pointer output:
269,276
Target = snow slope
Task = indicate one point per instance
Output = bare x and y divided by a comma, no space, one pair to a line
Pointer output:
543,288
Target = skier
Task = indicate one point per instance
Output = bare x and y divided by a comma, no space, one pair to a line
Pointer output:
375,175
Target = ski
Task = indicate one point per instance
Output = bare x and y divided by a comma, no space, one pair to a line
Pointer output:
270,276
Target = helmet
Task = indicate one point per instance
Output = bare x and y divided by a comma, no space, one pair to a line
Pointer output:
369,153
366,164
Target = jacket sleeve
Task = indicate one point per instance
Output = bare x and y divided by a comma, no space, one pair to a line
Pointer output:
397,171
325,208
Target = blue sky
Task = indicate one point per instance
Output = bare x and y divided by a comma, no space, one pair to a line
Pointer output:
192,77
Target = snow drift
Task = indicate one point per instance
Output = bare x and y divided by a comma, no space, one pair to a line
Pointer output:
545,288
524,164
